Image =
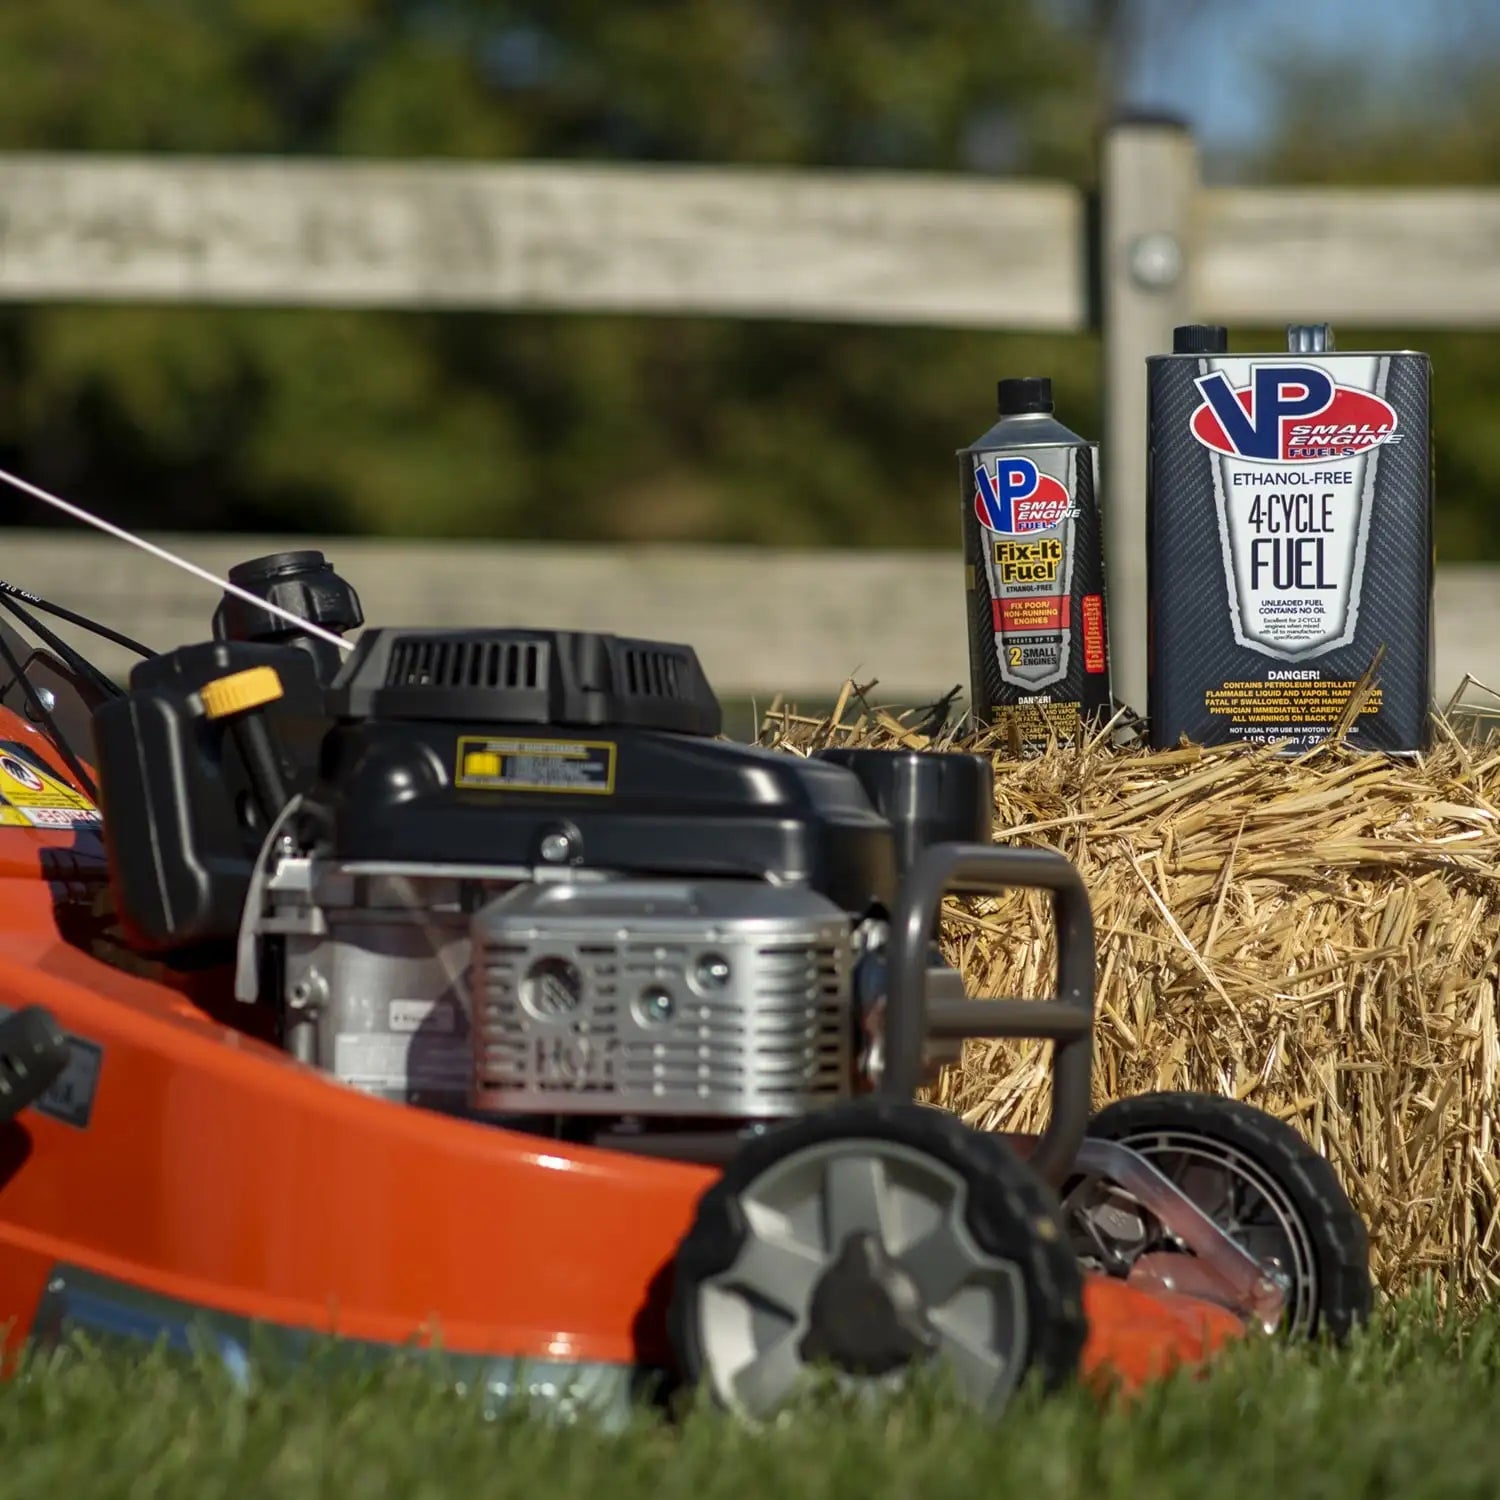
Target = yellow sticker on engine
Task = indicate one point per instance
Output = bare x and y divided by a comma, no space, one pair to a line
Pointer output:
489,763
31,797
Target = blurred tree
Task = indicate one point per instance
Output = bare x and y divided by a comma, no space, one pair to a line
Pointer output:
533,426
1435,122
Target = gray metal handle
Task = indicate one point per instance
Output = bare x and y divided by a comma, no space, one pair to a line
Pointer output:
1067,1019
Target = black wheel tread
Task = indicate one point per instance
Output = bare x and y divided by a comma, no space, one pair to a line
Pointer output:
1338,1234
1022,1222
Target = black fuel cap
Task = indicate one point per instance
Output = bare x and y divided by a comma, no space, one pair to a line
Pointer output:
1024,394
303,583
1200,338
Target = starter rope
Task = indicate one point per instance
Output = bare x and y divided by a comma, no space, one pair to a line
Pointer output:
99,524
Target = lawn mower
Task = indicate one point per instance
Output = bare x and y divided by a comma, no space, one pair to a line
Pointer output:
469,988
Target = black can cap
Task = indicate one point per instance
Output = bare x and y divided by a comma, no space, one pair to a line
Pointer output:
1025,394
1200,338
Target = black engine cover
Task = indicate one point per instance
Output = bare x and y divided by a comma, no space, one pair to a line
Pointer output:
496,747
634,800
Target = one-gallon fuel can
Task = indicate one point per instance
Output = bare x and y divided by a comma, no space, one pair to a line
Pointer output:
1038,653
1289,542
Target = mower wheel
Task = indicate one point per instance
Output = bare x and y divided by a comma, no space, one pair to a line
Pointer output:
865,1241
1258,1180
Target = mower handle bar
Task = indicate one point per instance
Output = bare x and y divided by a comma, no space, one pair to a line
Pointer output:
1066,1019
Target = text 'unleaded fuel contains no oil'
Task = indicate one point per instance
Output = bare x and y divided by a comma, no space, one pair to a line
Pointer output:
1289,542
1038,655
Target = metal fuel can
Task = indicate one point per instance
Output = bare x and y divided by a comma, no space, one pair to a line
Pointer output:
1034,573
1289,543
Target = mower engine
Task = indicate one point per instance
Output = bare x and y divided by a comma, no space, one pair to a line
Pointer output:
531,881
523,878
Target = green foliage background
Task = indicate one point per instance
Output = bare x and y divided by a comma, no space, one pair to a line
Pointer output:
608,427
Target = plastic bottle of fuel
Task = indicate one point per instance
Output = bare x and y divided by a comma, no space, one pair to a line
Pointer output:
1034,574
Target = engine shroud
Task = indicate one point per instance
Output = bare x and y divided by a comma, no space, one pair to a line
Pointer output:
549,747
723,998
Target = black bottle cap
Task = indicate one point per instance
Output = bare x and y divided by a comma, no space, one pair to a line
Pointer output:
1200,338
1028,393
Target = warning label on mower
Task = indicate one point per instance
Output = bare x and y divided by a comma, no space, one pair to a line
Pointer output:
31,797
528,765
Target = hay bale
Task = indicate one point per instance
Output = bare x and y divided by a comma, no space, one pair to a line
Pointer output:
1318,935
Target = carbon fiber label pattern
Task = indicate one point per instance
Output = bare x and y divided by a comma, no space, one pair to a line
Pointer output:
1037,650
1289,541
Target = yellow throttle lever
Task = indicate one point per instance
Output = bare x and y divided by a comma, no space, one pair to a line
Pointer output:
236,698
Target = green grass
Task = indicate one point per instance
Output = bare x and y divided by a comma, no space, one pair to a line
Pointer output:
1410,1409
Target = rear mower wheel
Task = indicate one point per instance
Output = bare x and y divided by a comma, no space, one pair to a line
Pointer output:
1257,1179
866,1241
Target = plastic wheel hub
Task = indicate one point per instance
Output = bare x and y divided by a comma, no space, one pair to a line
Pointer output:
866,1314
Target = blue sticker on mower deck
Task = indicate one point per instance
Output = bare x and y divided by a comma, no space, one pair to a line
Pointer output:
122,1315
71,1097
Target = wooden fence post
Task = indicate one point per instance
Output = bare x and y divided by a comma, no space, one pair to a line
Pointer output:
1148,179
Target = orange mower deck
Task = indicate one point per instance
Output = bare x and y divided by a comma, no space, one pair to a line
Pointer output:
184,1166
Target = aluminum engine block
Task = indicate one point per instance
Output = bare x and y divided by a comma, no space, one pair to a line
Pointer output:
374,969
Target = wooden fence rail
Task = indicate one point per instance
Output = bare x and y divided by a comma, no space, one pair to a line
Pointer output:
942,250
764,621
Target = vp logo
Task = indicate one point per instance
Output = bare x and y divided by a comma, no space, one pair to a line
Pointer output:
1289,414
1018,497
